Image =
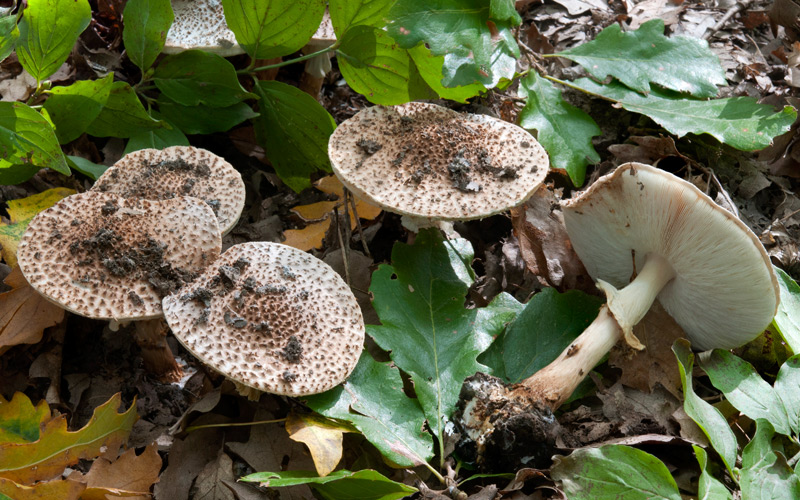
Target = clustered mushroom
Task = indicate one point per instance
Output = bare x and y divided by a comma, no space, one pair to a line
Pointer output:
642,234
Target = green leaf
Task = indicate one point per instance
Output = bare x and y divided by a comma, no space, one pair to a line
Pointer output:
195,77
787,319
638,58
47,32
373,65
347,13
710,420
123,115
8,35
204,119
73,108
787,386
20,421
159,138
272,28
364,484
294,130
766,475
430,69
739,122
146,25
429,333
372,399
11,174
565,131
86,167
476,46
614,472
709,487
544,328
28,139
744,388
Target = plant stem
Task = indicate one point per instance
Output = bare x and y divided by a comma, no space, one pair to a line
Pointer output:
237,424
250,70
434,472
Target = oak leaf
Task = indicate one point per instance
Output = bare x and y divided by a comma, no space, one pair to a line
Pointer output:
24,313
129,476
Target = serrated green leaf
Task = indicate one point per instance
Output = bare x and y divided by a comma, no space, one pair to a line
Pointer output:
123,115
787,319
73,108
708,418
272,28
366,484
644,56
9,34
47,32
477,47
159,138
347,13
429,333
544,328
86,167
565,131
294,130
787,387
739,122
28,139
146,25
373,65
203,119
766,475
614,472
709,487
195,77
372,399
430,69
744,388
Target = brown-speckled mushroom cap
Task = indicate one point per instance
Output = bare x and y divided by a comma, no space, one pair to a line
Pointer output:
200,24
270,317
428,161
159,174
106,257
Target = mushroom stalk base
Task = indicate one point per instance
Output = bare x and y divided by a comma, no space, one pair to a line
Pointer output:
151,336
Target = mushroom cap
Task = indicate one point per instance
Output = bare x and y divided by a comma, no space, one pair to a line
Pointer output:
200,24
324,36
428,161
270,317
724,292
107,257
160,174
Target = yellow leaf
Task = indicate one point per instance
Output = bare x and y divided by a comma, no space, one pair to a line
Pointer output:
58,448
21,212
307,238
24,313
60,489
315,211
20,421
322,436
128,476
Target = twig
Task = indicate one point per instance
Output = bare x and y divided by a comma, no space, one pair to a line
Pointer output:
728,15
341,245
349,198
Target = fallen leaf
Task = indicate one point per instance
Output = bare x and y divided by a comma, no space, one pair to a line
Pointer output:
24,313
61,489
645,149
21,212
129,476
322,436
210,480
636,412
187,458
20,421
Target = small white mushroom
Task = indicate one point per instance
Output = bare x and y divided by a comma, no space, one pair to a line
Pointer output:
318,67
200,24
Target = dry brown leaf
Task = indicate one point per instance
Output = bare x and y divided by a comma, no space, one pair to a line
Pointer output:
210,480
129,476
46,490
645,149
322,436
655,364
24,314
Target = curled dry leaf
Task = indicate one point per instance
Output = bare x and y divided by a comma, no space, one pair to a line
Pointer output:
126,477
645,149
24,313
322,436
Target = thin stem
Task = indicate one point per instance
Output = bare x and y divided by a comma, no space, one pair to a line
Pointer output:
236,424
434,472
306,57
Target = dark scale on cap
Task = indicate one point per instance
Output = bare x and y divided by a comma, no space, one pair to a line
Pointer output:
293,352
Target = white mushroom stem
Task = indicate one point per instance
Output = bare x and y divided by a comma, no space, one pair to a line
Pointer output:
314,75
151,336
555,383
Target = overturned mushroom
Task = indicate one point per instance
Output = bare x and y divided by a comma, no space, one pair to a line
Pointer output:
435,164
271,318
159,174
652,235
106,257
200,24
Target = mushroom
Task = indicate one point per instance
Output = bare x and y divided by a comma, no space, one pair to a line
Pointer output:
434,164
271,318
200,24
318,67
106,257
159,174
644,234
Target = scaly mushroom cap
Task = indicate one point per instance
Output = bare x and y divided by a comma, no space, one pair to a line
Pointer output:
107,257
159,174
200,24
724,292
428,161
270,317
